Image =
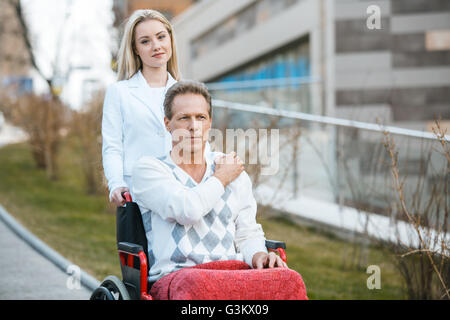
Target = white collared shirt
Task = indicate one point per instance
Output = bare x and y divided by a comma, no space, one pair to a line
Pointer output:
189,223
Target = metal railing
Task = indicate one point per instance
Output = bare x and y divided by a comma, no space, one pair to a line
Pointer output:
345,163
263,83
293,93
325,120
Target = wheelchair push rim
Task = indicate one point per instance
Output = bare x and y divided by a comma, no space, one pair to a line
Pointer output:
111,289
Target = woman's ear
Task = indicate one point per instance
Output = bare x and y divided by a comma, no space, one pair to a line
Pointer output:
133,47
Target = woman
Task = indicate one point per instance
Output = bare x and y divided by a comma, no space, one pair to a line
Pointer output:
133,117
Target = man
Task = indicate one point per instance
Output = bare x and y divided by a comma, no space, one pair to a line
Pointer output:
197,206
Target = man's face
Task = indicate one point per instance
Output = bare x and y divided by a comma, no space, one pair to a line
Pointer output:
190,123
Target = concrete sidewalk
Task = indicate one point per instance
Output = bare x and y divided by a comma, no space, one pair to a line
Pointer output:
27,275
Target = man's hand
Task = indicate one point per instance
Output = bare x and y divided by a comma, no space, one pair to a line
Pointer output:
116,196
263,260
228,168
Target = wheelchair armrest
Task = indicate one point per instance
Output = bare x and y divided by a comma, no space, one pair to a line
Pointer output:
133,262
129,247
277,246
272,244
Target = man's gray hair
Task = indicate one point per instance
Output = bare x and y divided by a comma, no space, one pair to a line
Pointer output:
185,87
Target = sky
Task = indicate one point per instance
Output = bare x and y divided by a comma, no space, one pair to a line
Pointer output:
81,30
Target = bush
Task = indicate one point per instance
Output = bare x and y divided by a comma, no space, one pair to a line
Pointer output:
43,118
86,131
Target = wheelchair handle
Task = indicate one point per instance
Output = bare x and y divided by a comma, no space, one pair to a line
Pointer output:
127,196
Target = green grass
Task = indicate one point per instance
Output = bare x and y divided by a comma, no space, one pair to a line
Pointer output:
82,228
79,226
327,266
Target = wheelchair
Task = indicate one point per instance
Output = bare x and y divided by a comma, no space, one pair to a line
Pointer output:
134,261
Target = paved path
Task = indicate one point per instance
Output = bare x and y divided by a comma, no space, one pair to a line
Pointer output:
27,275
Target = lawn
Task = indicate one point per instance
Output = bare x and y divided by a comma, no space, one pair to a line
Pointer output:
82,228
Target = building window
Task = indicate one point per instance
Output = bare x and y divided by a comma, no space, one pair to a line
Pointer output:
255,14
280,79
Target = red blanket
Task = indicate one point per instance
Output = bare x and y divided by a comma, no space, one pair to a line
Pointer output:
230,280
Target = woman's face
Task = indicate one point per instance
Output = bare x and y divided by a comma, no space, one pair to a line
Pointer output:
152,43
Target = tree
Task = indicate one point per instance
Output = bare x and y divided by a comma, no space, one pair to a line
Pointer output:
41,116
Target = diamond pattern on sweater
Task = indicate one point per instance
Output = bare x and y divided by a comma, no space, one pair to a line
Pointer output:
178,232
214,240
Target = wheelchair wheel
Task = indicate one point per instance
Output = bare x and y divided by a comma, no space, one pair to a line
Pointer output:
116,288
101,293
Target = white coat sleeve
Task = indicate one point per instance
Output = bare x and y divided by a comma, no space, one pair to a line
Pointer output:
249,238
155,188
112,139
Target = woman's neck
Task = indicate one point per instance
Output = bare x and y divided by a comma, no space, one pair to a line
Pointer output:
155,77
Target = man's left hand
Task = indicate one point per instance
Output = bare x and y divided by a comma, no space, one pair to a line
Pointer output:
263,260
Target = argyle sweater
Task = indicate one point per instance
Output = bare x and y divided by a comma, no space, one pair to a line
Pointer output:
189,223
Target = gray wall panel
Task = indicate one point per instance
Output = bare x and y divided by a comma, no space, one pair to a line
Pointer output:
430,112
408,96
420,59
354,36
409,104
408,42
417,6
415,23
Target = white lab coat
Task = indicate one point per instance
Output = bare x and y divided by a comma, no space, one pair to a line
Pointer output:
132,127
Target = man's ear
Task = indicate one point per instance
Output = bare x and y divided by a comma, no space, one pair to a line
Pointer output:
166,123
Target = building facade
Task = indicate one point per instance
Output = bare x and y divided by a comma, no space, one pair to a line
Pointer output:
357,59
400,72
247,43
170,9
14,59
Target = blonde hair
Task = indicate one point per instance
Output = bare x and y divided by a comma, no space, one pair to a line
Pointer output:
129,62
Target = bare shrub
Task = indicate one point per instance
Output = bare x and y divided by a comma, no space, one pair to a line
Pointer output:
425,266
87,139
42,118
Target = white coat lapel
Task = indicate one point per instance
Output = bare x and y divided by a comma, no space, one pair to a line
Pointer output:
140,90
170,81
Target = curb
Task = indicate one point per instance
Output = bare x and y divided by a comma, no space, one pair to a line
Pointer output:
58,260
